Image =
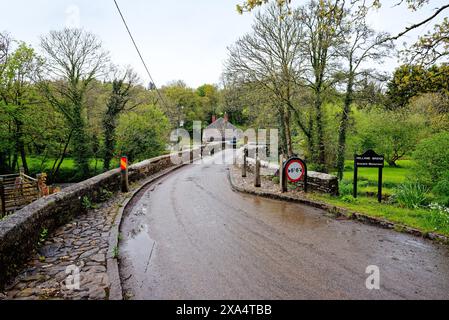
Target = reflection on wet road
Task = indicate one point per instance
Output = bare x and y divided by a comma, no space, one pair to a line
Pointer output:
191,237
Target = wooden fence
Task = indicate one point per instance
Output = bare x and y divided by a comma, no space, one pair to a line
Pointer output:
17,191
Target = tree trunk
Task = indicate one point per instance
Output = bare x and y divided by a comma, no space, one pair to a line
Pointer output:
283,140
310,141
20,145
341,152
288,134
14,162
3,163
54,172
109,126
80,144
321,156
392,163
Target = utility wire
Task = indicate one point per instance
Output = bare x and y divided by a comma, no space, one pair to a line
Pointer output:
140,55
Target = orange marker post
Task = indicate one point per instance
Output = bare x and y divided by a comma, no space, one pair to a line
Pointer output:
124,174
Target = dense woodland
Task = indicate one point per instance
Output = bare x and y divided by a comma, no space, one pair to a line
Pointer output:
68,110
307,69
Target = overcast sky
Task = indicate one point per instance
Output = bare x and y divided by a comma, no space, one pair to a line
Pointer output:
179,39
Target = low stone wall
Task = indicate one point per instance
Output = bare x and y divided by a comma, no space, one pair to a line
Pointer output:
324,183
20,232
317,182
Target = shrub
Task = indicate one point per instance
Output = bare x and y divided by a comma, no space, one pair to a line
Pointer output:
441,190
345,189
432,159
438,216
365,183
349,199
411,195
276,180
105,195
143,135
87,203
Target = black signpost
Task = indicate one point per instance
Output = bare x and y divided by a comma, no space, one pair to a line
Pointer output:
369,159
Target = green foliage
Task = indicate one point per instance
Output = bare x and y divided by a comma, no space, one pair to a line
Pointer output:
412,80
276,180
439,217
105,195
416,218
433,108
115,252
75,57
186,105
411,195
349,199
87,203
345,188
142,135
123,90
441,190
391,133
42,237
432,159
18,70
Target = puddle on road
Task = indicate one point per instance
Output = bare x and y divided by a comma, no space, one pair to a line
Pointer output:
139,247
419,244
288,214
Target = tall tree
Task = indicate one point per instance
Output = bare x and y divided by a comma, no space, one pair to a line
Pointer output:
269,57
210,99
321,43
362,45
73,59
430,47
122,93
17,77
5,146
412,80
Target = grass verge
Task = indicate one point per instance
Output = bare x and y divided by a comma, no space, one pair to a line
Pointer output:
420,218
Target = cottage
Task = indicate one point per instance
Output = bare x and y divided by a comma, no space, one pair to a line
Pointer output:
221,130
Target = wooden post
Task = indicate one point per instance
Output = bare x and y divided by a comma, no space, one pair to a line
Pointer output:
245,157
245,162
282,178
2,198
21,180
39,184
257,183
234,150
124,174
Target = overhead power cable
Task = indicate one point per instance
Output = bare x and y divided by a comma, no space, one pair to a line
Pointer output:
140,55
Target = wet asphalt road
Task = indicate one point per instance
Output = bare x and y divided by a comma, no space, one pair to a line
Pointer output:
191,237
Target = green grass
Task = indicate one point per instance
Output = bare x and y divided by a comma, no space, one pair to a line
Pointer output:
35,163
418,218
415,218
392,177
67,170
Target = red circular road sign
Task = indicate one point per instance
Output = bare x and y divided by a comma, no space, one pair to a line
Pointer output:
295,170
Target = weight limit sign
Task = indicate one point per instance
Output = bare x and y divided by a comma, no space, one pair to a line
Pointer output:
295,170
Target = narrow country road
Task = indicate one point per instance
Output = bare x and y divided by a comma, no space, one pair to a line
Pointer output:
191,237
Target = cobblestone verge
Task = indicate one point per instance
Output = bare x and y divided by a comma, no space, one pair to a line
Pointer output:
80,245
